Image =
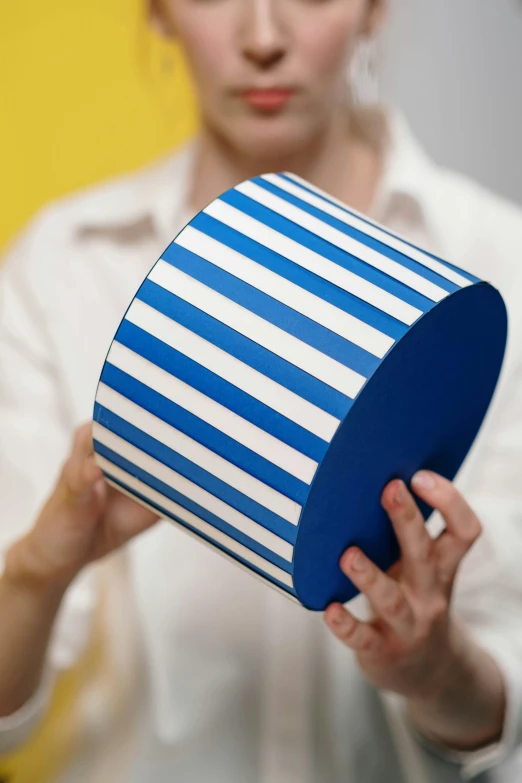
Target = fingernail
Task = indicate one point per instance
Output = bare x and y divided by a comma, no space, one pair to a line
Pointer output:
400,492
423,480
358,561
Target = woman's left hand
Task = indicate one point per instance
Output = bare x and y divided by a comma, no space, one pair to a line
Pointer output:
412,643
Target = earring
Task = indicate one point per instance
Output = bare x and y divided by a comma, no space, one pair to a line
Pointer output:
363,77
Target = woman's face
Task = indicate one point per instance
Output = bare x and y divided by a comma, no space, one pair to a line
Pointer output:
269,73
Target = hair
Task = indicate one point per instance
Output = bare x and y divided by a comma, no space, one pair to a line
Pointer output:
165,72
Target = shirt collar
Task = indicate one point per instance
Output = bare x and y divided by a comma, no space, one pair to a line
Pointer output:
170,192
407,172
406,164
410,174
156,195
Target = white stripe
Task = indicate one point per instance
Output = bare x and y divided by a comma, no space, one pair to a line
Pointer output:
315,263
285,345
198,524
290,294
224,420
350,245
192,450
236,372
193,491
371,229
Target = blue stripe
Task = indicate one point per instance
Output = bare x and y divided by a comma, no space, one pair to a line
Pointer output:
164,513
223,392
263,516
246,350
360,236
330,251
300,276
204,433
274,312
345,208
201,512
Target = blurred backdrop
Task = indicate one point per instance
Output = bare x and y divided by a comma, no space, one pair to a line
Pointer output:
455,67
87,92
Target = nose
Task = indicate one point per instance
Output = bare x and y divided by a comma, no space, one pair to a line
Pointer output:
263,39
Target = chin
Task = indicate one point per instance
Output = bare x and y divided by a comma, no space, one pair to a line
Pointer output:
270,138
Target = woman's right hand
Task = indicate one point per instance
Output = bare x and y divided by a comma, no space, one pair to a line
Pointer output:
83,520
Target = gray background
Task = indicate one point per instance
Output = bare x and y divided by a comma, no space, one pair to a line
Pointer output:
455,67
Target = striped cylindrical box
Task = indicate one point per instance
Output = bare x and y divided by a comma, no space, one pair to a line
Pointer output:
283,360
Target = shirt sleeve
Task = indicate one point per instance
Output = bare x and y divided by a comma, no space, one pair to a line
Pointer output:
488,591
35,434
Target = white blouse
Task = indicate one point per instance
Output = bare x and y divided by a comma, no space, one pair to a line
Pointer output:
240,685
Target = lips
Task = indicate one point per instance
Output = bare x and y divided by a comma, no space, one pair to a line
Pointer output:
267,100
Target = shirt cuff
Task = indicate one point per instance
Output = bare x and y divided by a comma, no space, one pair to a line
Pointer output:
16,728
476,762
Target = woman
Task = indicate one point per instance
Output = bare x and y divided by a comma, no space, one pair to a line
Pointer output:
241,685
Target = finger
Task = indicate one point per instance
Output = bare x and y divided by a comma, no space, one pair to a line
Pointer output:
359,636
133,515
462,524
82,442
91,472
128,516
417,552
385,594
81,471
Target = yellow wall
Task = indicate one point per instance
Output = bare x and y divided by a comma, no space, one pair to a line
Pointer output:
86,91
